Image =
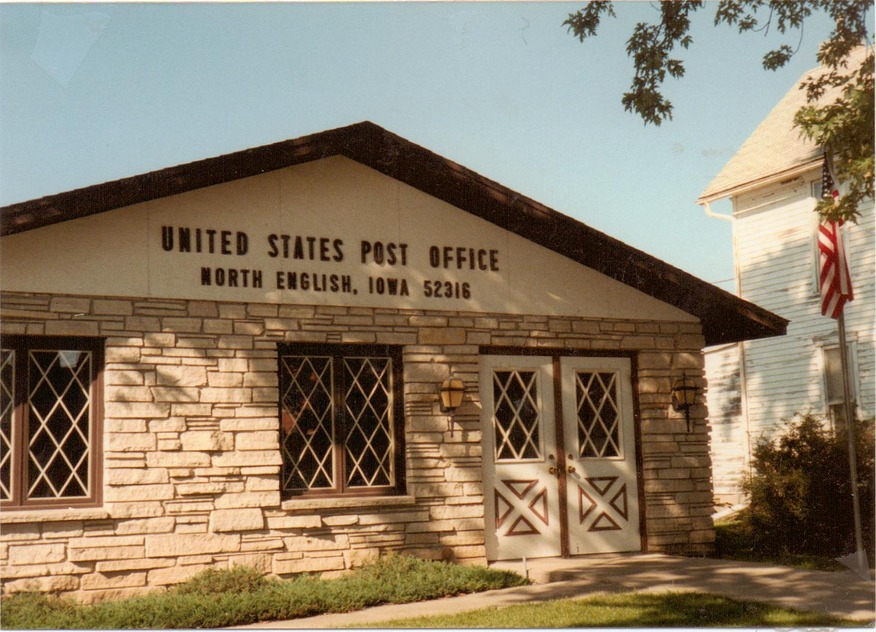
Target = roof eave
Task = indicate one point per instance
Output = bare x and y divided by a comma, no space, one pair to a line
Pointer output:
750,185
107,196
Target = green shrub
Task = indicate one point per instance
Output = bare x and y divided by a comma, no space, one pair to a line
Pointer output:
240,579
800,491
403,579
36,611
224,598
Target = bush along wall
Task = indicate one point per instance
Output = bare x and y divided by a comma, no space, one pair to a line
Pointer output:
800,489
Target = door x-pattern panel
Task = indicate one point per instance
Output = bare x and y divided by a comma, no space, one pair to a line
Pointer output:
602,503
521,507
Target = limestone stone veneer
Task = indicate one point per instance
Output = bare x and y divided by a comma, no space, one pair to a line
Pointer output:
191,456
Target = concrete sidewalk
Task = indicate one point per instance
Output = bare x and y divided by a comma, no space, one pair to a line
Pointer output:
842,594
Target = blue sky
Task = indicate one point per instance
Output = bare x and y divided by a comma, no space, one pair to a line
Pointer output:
95,92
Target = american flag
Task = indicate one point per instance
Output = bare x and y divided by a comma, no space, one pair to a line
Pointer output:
836,284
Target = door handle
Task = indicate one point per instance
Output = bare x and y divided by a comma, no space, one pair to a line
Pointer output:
571,469
552,470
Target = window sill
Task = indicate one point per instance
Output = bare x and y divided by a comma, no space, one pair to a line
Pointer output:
61,514
309,504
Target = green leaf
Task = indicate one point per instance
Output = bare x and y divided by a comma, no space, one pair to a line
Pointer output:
845,126
777,58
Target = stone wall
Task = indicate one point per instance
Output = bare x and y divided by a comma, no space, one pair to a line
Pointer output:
191,446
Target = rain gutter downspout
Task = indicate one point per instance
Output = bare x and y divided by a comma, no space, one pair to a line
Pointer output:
707,207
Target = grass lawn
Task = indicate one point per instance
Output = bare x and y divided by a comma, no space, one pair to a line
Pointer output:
623,610
240,596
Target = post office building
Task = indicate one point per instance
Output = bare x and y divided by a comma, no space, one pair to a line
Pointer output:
300,356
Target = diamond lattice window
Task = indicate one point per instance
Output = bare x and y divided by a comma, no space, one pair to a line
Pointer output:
49,421
598,415
307,423
340,419
7,408
516,415
369,439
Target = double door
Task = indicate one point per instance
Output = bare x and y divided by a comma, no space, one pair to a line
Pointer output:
559,456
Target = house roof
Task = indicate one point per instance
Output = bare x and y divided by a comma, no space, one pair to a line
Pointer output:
776,149
724,317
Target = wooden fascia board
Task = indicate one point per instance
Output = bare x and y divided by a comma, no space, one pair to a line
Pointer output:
587,246
108,196
770,179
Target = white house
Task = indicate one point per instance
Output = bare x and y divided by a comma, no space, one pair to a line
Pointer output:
773,182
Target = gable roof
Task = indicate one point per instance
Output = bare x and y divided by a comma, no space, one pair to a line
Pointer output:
725,318
776,149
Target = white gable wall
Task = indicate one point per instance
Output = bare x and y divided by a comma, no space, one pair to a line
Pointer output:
336,200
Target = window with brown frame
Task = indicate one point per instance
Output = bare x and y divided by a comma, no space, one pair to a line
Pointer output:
341,419
50,421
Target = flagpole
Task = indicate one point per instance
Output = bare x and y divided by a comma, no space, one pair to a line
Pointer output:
836,291
863,567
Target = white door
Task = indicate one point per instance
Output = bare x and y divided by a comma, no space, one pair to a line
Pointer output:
519,446
525,470
599,441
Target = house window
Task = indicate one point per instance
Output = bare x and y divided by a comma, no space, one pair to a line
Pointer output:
833,384
341,418
50,421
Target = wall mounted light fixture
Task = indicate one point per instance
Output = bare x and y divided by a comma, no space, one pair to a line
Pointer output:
450,394
684,397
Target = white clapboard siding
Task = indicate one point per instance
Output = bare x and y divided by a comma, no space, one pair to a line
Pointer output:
775,250
729,433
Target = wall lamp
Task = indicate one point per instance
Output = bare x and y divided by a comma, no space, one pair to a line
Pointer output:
450,397
450,393
684,397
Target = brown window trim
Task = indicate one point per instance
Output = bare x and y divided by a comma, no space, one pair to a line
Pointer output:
22,345
341,351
